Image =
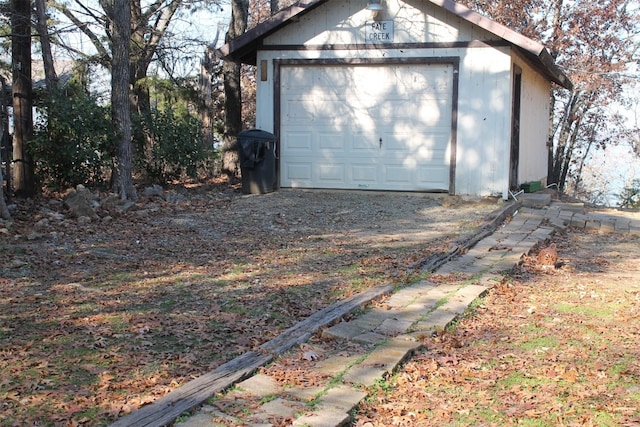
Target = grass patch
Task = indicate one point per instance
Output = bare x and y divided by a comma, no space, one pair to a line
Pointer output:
518,379
603,311
543,343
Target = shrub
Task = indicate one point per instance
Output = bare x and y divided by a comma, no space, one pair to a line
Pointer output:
630,196
73,142
174,148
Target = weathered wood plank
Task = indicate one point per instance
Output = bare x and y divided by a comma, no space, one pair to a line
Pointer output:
466,242
305,329
166,409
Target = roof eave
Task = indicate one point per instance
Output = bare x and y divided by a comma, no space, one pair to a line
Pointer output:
532,48
554,72
244,48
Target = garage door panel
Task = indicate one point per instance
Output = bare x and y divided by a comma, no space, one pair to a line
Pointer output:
400,144
364,173
332,78
332,141
420,146
330,112
431,177
364,144
375,127
298,111
331,172
397,174
297,141
298,172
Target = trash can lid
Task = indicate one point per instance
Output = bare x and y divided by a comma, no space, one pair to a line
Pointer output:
256,134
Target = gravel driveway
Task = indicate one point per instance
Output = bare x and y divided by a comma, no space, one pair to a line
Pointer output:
134,304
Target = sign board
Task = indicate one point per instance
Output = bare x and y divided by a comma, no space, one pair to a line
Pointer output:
379,32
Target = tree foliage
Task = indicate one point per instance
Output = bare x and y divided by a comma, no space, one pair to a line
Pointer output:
177,151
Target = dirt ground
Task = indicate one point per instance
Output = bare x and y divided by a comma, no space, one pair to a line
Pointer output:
98,317
547,347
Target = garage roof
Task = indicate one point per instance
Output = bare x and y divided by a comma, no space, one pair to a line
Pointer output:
244,48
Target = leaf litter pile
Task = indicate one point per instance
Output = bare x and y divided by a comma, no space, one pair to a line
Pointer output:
556,346
98,318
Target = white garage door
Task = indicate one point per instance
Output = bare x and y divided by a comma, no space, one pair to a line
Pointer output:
377,127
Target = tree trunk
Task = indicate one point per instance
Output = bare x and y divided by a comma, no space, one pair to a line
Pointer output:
207,69
119,15
145,39
50,76
562,155
232,91
4,130
552,132
583,159
24,175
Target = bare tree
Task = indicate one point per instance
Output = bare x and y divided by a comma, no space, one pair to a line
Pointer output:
23,170
150,23
119,20
50,76
206,86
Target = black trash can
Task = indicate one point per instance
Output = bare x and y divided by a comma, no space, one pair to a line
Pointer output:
257,153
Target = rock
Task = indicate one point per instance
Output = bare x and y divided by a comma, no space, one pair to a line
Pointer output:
42,224
17,263
153,191
55,216
79,202
174,197
83,220
125,206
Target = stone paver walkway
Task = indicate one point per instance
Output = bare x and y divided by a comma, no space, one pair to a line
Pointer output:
375,342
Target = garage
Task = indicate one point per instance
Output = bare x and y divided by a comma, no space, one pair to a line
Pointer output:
382,127
367,126
397,95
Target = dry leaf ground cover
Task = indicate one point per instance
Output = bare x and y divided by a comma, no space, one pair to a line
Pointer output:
98,318
547,347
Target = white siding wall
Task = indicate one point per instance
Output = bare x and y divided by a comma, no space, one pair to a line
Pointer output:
342,23
534,126
484,102
484,115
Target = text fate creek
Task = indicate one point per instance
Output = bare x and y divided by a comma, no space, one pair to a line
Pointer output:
379,32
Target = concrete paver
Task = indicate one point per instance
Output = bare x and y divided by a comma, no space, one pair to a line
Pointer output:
260,385
392,332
